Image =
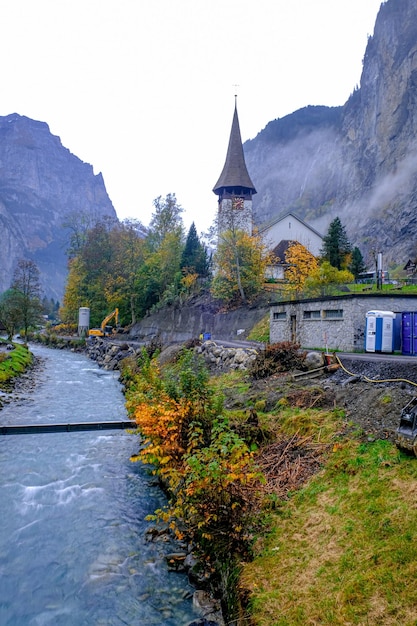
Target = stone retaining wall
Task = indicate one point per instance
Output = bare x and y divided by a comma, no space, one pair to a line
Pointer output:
108,355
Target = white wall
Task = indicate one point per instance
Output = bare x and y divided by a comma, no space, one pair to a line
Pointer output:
290,227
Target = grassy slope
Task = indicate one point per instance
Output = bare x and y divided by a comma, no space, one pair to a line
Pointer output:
343,550
14,362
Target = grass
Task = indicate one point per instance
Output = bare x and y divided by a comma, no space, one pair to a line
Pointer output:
260,332
340,290
342,550
235,379
14,362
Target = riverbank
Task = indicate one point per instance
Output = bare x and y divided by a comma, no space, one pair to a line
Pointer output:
331,470
331,434
15,360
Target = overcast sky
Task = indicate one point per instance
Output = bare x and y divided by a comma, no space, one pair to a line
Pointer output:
143,90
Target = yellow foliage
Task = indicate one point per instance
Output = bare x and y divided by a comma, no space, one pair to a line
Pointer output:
301,264
189,280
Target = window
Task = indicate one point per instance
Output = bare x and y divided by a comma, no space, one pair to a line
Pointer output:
311,315
279,316
333,314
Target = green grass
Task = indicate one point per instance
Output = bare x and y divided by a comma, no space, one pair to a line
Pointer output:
342,550
392,289
235,379
260,332
14,362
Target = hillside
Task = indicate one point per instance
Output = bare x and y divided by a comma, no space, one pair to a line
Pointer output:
358,161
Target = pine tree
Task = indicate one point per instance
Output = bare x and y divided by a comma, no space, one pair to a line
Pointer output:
357,265
194,256
336,245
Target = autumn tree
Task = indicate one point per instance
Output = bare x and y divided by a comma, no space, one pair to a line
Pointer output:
158,279
300,265
26,290
326,278
233,227
128,252
336,246
165,219
90,274
240,261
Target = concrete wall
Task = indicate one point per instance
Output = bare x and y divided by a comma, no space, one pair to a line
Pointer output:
179,323
339,321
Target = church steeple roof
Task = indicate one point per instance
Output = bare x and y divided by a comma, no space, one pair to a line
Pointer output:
234,175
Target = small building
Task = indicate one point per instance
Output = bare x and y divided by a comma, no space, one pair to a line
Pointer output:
337,323
410,267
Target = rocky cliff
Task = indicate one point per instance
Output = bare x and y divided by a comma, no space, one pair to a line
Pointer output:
358,161
41,183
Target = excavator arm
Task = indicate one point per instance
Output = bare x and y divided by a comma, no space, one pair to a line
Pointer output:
105,330
109,317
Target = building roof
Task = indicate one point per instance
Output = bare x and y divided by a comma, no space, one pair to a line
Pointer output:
234,174
264,227
280,251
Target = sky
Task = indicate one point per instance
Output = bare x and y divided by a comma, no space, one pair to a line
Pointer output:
143,90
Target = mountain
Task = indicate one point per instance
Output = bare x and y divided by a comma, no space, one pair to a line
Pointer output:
41,184
357,161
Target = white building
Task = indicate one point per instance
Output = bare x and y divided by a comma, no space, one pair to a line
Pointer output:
291,228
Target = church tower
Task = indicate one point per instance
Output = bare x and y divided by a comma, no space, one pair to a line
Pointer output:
234,187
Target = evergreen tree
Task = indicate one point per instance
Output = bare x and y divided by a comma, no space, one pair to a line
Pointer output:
194,256
336,245
357,265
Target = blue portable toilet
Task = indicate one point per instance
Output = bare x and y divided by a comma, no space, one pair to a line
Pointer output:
379,331
409,332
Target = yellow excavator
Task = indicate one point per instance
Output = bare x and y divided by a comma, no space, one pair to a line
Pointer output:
105,330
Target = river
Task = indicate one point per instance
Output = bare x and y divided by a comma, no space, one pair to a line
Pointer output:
73,545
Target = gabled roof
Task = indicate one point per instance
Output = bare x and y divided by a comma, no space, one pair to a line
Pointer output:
234,173
276,220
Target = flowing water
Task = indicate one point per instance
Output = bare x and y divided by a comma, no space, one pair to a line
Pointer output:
73,546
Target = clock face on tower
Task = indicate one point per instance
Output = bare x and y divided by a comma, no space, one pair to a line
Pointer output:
238,203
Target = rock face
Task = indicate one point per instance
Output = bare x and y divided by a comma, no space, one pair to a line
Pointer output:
41,183
357,162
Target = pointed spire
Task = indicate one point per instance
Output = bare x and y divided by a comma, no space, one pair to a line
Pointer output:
234,176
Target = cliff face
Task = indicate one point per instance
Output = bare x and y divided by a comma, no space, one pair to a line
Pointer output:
41,183
359,161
